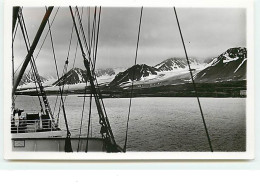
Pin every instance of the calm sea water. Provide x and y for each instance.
(160, 123)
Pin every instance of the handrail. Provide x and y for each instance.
(26, 126)
(33, 120)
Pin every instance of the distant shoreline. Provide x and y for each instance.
(221, 89)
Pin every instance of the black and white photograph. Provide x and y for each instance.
(163, 82)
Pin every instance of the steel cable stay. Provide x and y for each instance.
(193, 82)
(132, 84)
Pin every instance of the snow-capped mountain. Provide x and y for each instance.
(28, 81)
(73, 76)
(29, 78)
(171, 70)
(229, 66)
(137, 72)
(77, 76)
(178, 64)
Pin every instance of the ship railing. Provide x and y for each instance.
(28, 126)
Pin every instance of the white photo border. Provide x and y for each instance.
(250, 138)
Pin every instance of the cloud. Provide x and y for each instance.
(207, 32)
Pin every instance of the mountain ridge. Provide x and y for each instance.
(228, 66)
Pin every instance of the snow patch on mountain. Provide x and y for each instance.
(173, 64)
(240, 65)
(222, 68)
(229, 59)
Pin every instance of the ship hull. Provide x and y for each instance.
(57, 144)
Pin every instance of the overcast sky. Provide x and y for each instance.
(207, 33)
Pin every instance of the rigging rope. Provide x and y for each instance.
(62, 89)
(63, 73)
(132, 85)
(106, 131)
(193, 82)
(89, 118)
(74, 61)
(82, 31)
(82, 114)
(95, 57)
(94, 63)
(75, 56)
(67, 147)
(93, 32)
(47, 33)
(70, 42)
(88, 24)
(81, 121)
